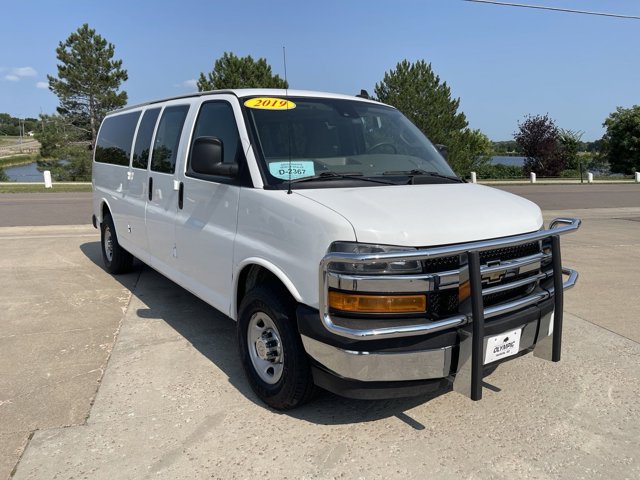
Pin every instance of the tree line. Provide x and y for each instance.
(89, 79)
(511, 147)
(15, 127)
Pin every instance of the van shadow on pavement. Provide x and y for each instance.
(213, 334)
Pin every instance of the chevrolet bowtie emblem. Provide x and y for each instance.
(494, 277)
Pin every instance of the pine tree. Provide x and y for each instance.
(88, 80)
(415, 90)
(230, 71)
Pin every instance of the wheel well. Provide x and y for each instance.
(254, 275)
(105, 211)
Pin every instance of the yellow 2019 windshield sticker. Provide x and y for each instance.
(269, 103)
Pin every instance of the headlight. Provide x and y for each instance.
(399, 267)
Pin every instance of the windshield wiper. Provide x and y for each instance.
(418, 172)
(329, 175)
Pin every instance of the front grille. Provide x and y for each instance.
(502, 297)
(510, 253)
(445, 302)
(441, 264)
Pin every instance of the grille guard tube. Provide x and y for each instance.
(559, 226)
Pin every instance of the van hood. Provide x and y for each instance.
(429, 215)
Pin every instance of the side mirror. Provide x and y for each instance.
(443, 150)
(206, 158)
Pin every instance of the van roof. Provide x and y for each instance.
(251, 92)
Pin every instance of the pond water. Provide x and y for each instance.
(508, 160)
(24, 173)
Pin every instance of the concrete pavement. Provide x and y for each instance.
(606, 252)
(59, 314)
(173, 401)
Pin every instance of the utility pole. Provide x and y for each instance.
(580, 166)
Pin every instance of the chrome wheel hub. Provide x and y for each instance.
(265, 347)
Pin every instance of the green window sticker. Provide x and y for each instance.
(292, 170)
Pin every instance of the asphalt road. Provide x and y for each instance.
(562, 197)
(41, 209)
(31, 209)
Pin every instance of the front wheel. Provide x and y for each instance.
(271, 351)
(116, 259)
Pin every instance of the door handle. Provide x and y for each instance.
(150, 188)
(181, 195)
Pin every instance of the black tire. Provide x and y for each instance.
(294, 385)
(116, 259)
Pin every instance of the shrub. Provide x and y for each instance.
(499, 171)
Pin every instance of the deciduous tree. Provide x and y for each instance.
(16, 126)
(622, 140)
(539, 138)
(63, 149)
(230, 71)
(469, 150)
(570, 140)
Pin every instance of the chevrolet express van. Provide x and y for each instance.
(336, 235)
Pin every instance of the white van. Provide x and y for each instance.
(336, 235)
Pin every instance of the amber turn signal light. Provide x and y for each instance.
(358, 303)
(464, 291)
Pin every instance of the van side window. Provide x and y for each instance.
(165, 148)
(116, 138)
(143, 139)
(216, 119)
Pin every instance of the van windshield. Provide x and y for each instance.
(307, 139)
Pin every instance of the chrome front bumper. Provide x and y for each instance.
(367, 366)
(380, 367)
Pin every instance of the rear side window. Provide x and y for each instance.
(143, 139)
(165, 148)
(116, 138)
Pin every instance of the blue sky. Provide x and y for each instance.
(502, 62)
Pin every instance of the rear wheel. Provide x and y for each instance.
(116, 259)
(272, 354)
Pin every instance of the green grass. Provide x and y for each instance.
(8, 187)
(6, 140)
(16, 160)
